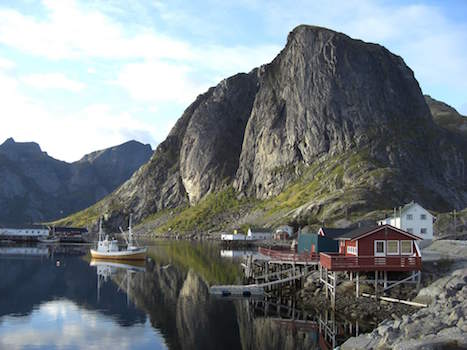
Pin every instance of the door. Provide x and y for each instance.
(380, 248)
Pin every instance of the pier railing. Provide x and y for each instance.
(287, 255)
(338, 262)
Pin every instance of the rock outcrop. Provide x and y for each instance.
(341, 114)
(36, 187)
(442, 325)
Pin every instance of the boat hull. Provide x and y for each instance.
(139, 254)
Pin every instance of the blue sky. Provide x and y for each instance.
(77, 76)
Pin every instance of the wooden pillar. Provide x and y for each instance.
(351, 275)
(357, 285)
(419, 279)
(326, 282)
(333, 295)
(385, 279)
(376, 284)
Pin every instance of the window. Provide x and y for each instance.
(379, 248)
(423, 217)
(406, 247)
(423, 230)
(352, 250)
(409, 230)
(409, 217)
(393, 247)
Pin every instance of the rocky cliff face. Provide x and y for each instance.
(36, 187)
(342, 120)
(446, 116)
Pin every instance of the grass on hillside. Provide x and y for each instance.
(200, 217)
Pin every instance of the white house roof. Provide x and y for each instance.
(412, 204)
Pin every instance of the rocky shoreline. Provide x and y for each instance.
(441, 325)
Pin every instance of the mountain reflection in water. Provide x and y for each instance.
(164, 303)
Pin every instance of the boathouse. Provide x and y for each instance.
(315, 243)
(255, 233)
(376, 248)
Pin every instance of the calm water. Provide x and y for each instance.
(59, 299)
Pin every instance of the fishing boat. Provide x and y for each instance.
(48, 239)
(107, 248)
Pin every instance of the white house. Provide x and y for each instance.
(259, 233)
(24, 231)
(412, 218)
(285, 229)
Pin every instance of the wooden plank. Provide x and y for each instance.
(394, 300)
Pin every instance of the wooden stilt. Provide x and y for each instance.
(419, 279)
(385, 280)
(376, 284)
(357, 285)
(333, 295)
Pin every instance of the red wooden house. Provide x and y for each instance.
(377, 248)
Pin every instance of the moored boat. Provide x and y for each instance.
(107, 248)
(48, 239)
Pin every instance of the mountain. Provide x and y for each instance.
(332, 129)
(446, 116)
(36, 187)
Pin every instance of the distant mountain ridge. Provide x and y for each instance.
(330, 130)
(36, 187)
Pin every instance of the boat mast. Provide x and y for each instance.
(130, 233)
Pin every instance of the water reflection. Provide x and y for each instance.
(163, 303)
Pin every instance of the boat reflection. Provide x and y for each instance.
(105, 269)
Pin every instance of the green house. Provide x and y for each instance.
(314, 243)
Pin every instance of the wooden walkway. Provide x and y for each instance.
(270, 279)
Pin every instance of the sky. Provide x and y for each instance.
(78, 76)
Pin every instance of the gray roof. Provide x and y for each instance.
(260, 229)
(365, 229)
(333, 233)
(356, 232)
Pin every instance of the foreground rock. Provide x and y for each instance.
(442, 324)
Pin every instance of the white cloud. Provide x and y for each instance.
(52, 81)
(6, 64)
(67, 136)
(72, 32)
(159, 81)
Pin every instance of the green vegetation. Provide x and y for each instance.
(82, 218)
(201, 216)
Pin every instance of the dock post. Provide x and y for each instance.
(376, 284)
(357, 286)
(351, 275)
(333, 295)
(385, 280)
(326, 282)
(419, 278)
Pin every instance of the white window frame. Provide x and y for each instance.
(422, 216)
(409, 216)
(352, 250)
(387, 250)
(384, 248)
(421, 230)
(411, 247)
